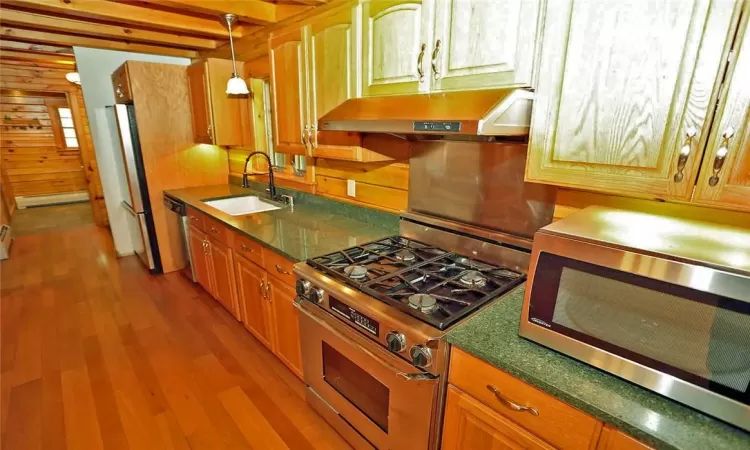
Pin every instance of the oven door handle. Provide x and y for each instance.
(300, 304)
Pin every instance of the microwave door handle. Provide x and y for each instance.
(300, 304)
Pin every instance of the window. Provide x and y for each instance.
(68, 129)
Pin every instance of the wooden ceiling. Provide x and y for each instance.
(43, 32)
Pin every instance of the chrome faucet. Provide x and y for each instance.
(271, 185)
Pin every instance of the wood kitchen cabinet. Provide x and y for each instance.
(254, 299)
(613, 115)
(214, 268)
(217, 116)
(487, 408)
(480, 44)
(121, 83)
(725, 180)
(289, 86)
(285, 324)
(395, 39)
(471, 425)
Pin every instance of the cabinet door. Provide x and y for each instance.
(611, 439)
(289, 88)
(199, 102)
(199, 252)
(396, 35)
(285, 325)
(227, 110)
(484, 43)
(611, 113)
(731, 185)
(223, 276)
(469, 424)
(255, 309)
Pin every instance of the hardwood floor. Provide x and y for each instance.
(44, 219)
(96, 353)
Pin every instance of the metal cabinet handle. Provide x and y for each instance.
(310, 132)
(193, 218)
(210, 131)
(684, 154)
(510, 404)
(119, 91)
(205, 250)
(721, 156)
(263, 289)
(420, 69)
(268, 292)
(245, 248)
(435, 55)
(305, 133)
(281, 270)
(214, 230)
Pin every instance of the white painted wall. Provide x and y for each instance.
(95, 67)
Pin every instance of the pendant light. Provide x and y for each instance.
(236, 84)
(73, 77)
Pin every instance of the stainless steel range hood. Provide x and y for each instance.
(497, 112)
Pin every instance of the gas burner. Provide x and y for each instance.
(423, 302)
(405, 255)
(355, 272)
(473, 278)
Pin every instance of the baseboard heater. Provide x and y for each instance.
(51, 199)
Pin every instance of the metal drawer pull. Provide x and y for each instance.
(268, 292)
(310, 132)
(245, 248)
(684, 154)
(305, 132)
(281, 270)
(119, 91)
(510, 404)
(214, 230)
(420, 69)
(721, 156)
(263, 292)
(435, 54)
(193, 218)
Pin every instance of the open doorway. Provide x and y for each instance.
(47, 153)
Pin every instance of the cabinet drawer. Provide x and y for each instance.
(196, 218)
(557, 422)
(218, 231)
(248, 248)
(278, 267)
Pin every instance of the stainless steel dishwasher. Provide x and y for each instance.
(180, 215)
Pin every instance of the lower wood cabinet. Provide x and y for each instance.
(285, 325)
(214, 269)
(255, 304)
(471, 425)
(487, 408)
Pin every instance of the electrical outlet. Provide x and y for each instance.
(351, 188)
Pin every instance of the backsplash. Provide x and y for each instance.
(359, 213)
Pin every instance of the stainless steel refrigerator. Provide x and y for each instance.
(137, 203)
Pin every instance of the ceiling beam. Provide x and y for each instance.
(82, 41)
(253, 11)
(60, 24)
(37, 64)
(37, 48)
(129, 14)
(67, 60)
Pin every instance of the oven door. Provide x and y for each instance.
(386, 400)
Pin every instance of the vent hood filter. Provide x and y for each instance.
(497, 112)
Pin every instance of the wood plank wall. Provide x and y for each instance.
(33, 161)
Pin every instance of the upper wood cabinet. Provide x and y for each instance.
(484, 43)
(121, 84)
(396, 35)
(217, 116)
(289, 85)
(725, 174)
(624, 102)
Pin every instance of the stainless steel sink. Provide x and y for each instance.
(240, 206)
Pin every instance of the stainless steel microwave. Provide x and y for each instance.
(659, 301)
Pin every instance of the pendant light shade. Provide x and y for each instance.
(235, 85)
(73, 77)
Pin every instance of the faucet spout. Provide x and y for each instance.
(271, 184)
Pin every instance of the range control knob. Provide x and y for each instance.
(420, 356)
(396, 341)
(316, 295)
(303, 287)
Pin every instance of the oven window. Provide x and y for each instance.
(357, 386)
(700, 338)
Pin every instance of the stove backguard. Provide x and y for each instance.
(480, 184)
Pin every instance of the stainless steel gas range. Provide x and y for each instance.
(373, 317)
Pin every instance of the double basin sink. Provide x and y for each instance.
(242, 205)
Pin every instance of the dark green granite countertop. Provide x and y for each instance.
(314, 227)
(492, 335)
